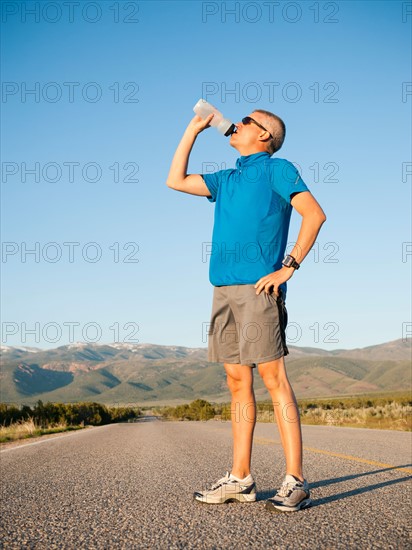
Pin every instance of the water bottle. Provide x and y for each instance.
(223, 125)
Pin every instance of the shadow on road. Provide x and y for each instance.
(339, 496)
(265, 494)
(325, 482)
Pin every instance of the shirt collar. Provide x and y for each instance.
(246, 160)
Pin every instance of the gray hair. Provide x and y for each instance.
(276, 127)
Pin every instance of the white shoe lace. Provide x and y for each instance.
(286, 487)
(220, 482)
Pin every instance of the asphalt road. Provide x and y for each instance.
(130, 486)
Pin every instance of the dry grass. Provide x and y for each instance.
(382, 414)
(391, 416)
(27, 428)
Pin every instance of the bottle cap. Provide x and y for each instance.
(226, 127)
(232, 129)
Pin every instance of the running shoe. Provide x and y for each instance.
(291, 497)
(228, 489)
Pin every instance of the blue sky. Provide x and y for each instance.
(336, 72)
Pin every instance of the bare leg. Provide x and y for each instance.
(243, 415)
(286, 413)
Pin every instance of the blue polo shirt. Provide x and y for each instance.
(252, 217)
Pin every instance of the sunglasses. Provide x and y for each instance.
(247, 120)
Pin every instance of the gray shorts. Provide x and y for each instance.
(246, 328)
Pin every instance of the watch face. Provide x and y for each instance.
(290, 261)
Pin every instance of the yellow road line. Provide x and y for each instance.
(266, 441)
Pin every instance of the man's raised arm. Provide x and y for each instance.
(178, 178)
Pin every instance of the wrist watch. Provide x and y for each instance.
(289, 261)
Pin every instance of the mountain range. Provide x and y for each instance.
(148, 374)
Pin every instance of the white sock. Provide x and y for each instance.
(238, 478)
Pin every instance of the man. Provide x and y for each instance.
(248, 270)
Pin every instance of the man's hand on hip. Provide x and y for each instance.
(274, 279)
